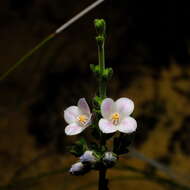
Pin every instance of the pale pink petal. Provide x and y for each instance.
(89, 122)
(107, 126)
(71, 114)
(107, 107)
(124, 106)
(73, 129)
(128, 125)
(83, 106)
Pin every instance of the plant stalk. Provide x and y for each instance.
(102, 83)
(103, 182)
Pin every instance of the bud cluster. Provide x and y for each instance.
(90, 160)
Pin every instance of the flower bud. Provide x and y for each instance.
(78, 169)
(100, 26)
(88, 157)
(109, 159)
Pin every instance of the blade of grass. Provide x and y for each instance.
(155, 178)
(78, 16)
(26, 56)
(173, 174)
(154, 163)
(47, 39)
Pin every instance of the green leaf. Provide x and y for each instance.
(159, 166)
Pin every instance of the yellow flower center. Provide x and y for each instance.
(82, 119)
(115, 118)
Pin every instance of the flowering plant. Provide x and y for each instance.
(106, 120)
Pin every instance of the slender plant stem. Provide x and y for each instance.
(78, 16)
(102, 83)
(26, 56)
(103, 182)
(42, 43)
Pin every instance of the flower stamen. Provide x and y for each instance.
(82, 119)
(115, 117)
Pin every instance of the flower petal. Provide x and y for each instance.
(107, 107)
(106, 126)
(71, 113)
(73, 129)
(128, 125)
(124, 106)
(89, 122)
(83, 106)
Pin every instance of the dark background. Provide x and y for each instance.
(148, 47)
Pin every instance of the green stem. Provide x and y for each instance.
(103, 182)
(26, 56)
(101, 59)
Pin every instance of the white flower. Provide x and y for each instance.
(88, 157)
(77, 168)
(116, 116)
(78, 117)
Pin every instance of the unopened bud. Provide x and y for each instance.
(88, 157)
(78, 169)
(109, 159)
(100, 26)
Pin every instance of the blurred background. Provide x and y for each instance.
(148, 46)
